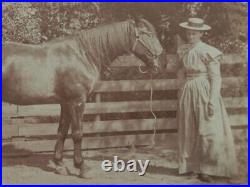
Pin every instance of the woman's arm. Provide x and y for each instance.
(215, 83)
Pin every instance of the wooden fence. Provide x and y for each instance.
(118, 112)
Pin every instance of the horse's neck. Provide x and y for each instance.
(104, 46)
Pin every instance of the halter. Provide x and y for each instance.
(139, 40)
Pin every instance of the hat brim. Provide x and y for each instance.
(203, 28)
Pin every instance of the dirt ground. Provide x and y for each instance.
(37, 169)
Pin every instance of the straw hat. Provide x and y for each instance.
(195, 24)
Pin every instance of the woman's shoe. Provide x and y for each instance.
(225, 180)
(205, 178)
(188, 174)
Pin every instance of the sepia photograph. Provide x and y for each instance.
(125, 93)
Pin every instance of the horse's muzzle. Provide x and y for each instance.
(155, 69)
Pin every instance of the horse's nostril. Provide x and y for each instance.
(156, 69)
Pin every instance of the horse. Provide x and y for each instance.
(64, 71)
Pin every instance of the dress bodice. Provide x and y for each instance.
(195, 58)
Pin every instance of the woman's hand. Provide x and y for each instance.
(210, 109)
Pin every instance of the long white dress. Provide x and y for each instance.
(205, 143)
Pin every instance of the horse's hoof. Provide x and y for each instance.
(82, 175)
(51, 164)
(59, 167)
(61, 170)
(78, 165)
(205, 178)
(82, 171)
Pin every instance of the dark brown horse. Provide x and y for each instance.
(64, 71)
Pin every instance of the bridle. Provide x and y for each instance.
(154, 53)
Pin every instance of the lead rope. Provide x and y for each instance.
(151, 106)
(152, 112)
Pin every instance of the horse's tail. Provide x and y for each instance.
(5, 50)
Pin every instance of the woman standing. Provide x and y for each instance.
(206, 144)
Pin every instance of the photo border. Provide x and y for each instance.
(136, 1)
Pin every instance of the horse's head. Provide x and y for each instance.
(146, 46)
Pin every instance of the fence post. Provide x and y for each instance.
(98, 100)
(17, 110)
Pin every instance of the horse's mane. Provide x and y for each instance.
(106, 42)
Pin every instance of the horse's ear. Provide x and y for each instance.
(141, 25)
(132, 21)
(139, 22)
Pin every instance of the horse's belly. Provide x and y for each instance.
(34, 100)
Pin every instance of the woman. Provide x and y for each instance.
(206, 144)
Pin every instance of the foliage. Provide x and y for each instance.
(230, 30)
(20, 23)
(39, 22)
(60, 19)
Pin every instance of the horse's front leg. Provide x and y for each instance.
(76, 112)
(63, 128)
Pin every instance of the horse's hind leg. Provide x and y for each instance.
(76, 111)
(63, 128)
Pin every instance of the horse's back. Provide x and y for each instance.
(15, 48)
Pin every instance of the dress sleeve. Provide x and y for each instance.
(214, 75)
(212, 53)
(208, 53)
(212, 58)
